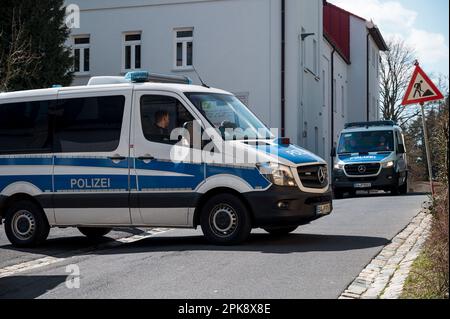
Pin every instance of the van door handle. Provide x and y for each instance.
(117, 158)
(146, 158)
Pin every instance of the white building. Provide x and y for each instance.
(269, 52)
(351, 54)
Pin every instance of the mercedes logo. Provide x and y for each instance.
(362, 169)
(321, 175)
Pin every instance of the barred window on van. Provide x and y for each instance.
(91, 124)
(24, 128)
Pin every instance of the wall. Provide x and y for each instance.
(236, 43)
(358, 71)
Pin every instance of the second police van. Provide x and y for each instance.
(105, 155)
(370, 156)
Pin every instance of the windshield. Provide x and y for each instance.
(230, 116)
(366, 142)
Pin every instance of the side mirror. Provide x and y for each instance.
(401, 149)
(333, 152)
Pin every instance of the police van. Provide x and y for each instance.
(101, 156)
(370, 155)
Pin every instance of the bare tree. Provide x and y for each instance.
(396, 68)
(16, 60)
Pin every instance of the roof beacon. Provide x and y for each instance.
(145, 76)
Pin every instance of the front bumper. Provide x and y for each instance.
(387, 179)
(299, 208)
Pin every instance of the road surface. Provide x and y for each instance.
(317, 261)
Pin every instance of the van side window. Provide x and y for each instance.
(24, 128)
(91, 124)
(160, 115)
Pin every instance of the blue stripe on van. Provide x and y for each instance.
(63, 182)
(251, 175)
(43, 182)
(90, 182)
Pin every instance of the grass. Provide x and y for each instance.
(421, 283)
(429, 275)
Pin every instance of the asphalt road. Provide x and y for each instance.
(317, 261)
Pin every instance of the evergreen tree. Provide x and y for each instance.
(34, 33)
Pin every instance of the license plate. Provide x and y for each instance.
(363, 185)
(324, 209)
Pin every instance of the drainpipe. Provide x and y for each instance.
(283, 68)
(367, 78)
(332, 97)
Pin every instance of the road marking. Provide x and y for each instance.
(46, 261)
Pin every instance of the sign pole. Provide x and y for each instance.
(427, 147)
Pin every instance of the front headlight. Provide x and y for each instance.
(278, 174)
(339, 166)
(388, 164)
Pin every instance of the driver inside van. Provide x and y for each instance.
(383, 144)
(160, 128)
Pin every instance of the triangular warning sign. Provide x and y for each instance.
(421, 89)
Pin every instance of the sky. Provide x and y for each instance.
(423, 25)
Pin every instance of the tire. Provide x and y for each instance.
(26, 225)
(94, 233)
(225, 220)
(338, 194)
(280, 231)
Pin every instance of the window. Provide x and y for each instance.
(160, 115)
(81, 54)
(343, 100)
(90, 124)
(324, 89)
(374, 106)
(132, 51)
(311, 55)
(315, 66)
(229, 116)
(316, 140)
(24, 128)
(184, 48)
(366, 142)
(374, 59)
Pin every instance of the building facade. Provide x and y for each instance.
(270, 53)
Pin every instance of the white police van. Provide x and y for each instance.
(100, 156)
(370, 155)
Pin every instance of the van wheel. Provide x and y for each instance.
(26, 224)
(225, 220)
(94, 233)
(280, 231)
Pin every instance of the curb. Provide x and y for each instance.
(385, 276)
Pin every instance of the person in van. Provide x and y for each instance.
(383, 145)
(160, 127)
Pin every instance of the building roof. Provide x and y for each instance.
(378, 38)
(337, 30)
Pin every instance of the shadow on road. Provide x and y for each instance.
(263, 243)
(294, 243)
(364, 194)
(28, 287)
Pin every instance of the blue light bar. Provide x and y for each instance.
(137, 76)
(55, 86)
(145, 76)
